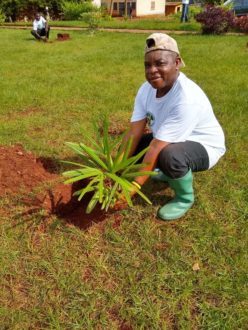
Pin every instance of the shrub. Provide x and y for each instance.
(240, 24)
(108, 169)
(105, 13)
(2, 17)
(210, 2)
(17, 9)
(93, 19)
(73, 10)
(215, 20)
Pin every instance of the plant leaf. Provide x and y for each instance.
(121, 181)
(86, 189)
(83, 192)
(100, 188)
(73, 163)
(81, 171)
(134, 174)
(143, 196)
(92, 202)
(127, 196)
(79, 178)
(75, 147)
(112, 195)
(92, 153)
(132, 160)
(106, 146)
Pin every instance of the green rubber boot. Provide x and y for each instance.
(184, 198)
(160, 176)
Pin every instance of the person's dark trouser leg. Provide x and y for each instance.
(44, 34)
(178, 161)
(178, 158)
(144, 143)
(36, 34)
(183, 13)
(47, 32)
(187, 13)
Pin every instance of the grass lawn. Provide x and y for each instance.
(171, 22)
(139, 275)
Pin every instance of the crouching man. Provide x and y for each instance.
(186, 136)
(40, 28)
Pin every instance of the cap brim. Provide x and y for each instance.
(182, 65)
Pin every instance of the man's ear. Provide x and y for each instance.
(178, 62)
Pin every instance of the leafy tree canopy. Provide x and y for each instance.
(17, 9)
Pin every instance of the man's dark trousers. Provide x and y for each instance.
(177, 159)
(41, 33)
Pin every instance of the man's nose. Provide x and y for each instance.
(153, 68)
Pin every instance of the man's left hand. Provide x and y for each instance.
(122, 203)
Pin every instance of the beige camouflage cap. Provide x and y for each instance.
(161, 41)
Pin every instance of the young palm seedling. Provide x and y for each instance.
(108, 169)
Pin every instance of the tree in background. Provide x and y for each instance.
(73, 10)
(17, 9)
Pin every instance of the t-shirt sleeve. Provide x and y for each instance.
(139, 111)
(180, 123)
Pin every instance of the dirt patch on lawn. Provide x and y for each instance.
(35, 181)
(20, 171)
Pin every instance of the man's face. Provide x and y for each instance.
(37, 17)
(161, 70)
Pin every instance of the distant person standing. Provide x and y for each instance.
(40, 28)
(185, 11)
(47, 16)
(131, 11)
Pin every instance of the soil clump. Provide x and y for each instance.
(38, 186)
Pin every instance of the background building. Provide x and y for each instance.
(139, 7)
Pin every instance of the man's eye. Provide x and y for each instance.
(160, 63)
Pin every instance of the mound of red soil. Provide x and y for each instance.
(21, 173)
(63, 36)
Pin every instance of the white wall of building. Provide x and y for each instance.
(97, 3)
(144, 7)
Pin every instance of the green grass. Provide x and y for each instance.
(139, 274)
(171, 22)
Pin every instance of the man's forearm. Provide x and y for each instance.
(135, 133)
(134, 142)
(149, 161)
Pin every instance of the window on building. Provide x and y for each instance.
(115, 6)
(152, 5)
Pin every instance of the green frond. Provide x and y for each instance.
(80, 177)
(86, 189)
(73, 163)
(111, 196)
(94, 200)
(135, 174)
(99, 163)
(91, 152)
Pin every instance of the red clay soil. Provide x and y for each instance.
(63, 36)
(20, 171)
(24, 175)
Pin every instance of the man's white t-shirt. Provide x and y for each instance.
(40, 24)
(184, 113)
